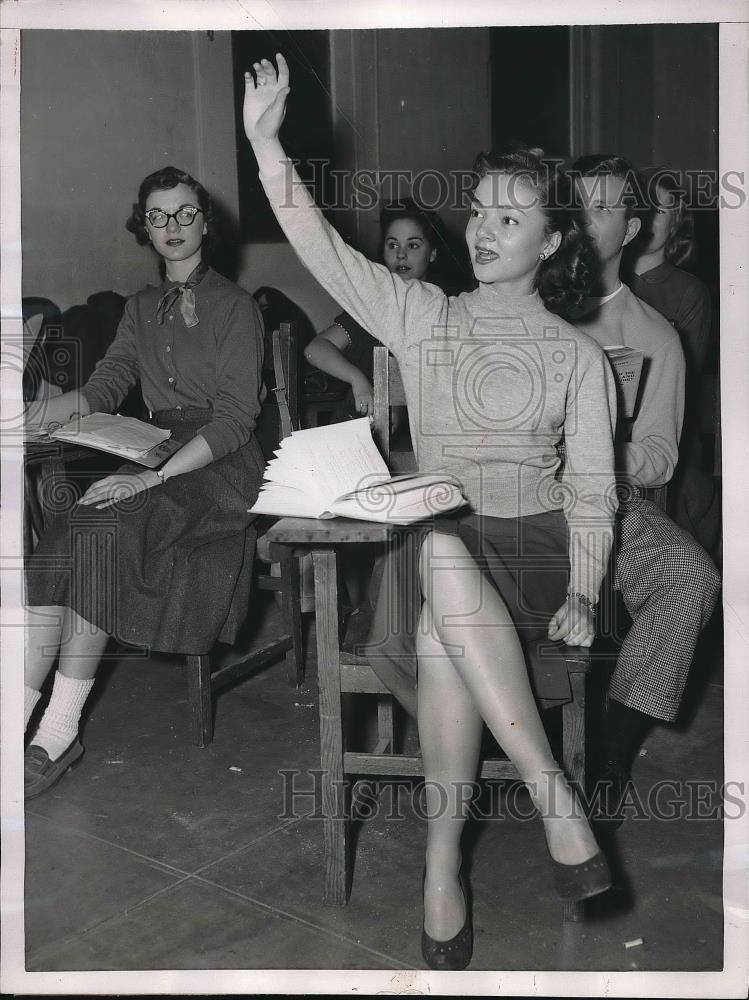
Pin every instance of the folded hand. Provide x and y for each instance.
(573, 623)
(120, 486)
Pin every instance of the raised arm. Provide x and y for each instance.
(381, 302)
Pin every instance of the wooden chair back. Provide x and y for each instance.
(286, 371)
(388, 392)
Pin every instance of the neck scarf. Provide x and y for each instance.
(183, 292)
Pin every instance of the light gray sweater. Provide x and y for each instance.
(492, 382)
(649, 457)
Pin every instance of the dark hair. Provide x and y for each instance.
(680, 244)
(407, 208)
(164, 180)
(609, 164)
(565, 278)
(450, 268)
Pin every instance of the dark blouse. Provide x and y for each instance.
(685, 302)
(217, 363)
(361, 344)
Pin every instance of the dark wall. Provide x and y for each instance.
(530, 86)
(308, 126)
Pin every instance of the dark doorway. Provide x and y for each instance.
(530, 83)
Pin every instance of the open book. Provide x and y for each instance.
(124, 436)
(337, 471)
(627, 365)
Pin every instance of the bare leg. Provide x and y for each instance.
(43, 633)
(82, 647)
(476, 630)
(450, 736)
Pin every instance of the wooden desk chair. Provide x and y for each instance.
(203, 683)
(341, 672)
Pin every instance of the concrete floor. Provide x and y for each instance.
(154, 854)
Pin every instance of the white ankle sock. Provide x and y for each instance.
(30, 698)
(59, 725)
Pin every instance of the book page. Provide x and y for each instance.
(626, 363)
(334, 460)
(408, 481)
(401, 503)
(314, 466)
(285, 501)
(122, 435)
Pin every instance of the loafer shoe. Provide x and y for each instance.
(40, 773)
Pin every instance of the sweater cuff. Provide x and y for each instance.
(96, 403)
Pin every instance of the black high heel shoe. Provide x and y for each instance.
(455, 954)
(577, 882)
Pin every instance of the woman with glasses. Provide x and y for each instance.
(176, 577)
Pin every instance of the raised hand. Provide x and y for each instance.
(265, 99)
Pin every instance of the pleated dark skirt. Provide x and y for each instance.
(525, 559)
(171, 569)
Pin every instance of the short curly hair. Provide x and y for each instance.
(566, 277)
(165, 179)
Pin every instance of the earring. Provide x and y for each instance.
(542, 256)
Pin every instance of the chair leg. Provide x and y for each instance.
(573, 758)
(201, 702)
(291, 599)
(335, 822)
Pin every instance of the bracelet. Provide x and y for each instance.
(160, 476)
(590, 605)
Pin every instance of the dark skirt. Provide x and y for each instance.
(525, 559)
(171, 569)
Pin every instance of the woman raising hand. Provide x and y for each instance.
(494, 380)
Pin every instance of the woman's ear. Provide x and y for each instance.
(552, 245)
(433, 256)
(205, 229)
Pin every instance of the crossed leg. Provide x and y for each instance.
(472, 670)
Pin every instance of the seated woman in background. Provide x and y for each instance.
(176, 576)
(495, 379)
(658, 277)
(412, 247)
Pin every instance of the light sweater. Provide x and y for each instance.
(492, 383)
(649, 457)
